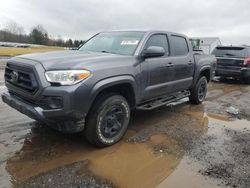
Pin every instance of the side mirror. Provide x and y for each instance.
(153, 51)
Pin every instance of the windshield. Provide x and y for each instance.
(124, 43)
(230, 51)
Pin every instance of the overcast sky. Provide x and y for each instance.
(79, 19)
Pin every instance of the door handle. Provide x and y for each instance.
(190, 63)
(170, 64)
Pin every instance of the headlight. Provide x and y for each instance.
(67, 77)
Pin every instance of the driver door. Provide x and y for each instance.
(158, 69)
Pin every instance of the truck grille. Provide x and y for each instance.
(23, 78)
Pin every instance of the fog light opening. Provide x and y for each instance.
(55, 102)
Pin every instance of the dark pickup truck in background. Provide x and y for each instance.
(233, 61)
(93, 89)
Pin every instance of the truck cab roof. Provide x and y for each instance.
(147, 31)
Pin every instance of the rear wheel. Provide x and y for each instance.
(108, 120)
(198, 93)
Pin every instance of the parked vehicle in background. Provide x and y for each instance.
(233, 61)
(93, 89)
(206, 44)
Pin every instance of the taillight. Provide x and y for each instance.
(247, 61)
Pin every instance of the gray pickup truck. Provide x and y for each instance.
(93, 89)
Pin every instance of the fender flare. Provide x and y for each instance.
(203, 68)
(112, 81)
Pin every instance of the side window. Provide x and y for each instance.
(158, 40)
(179, 45)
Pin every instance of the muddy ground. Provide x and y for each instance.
(178, 145)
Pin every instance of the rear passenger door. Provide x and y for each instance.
(183, 62)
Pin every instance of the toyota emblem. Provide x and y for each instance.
(14, 76)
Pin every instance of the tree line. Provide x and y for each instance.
(38, 35)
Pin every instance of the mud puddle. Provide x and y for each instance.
(225, 152)
(142, 159)
(226, 94)
(164, 155)
(219, 158)
(126, 164)
(187, 175)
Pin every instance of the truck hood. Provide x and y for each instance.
(70, 59)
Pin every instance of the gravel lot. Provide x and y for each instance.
(166, 147)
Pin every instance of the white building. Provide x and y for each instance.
(206, 44)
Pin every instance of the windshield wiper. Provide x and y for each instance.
(104, 51)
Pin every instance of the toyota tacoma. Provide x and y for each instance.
(93, 89)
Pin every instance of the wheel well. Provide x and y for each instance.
(206, 73)
(125, 89)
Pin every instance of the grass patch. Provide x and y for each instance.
(9, 51)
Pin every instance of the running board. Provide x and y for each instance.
(163, 100)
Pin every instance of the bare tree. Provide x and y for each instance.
(14, 28)
(12, 32)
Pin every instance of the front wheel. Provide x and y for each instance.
(198, 93)
(108, 120)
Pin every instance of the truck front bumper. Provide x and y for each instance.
(29, 110)
(69, 118)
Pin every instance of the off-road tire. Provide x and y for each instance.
(195, 97)
(97, 117)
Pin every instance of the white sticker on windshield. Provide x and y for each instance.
(129, 42)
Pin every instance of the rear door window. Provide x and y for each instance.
(230, 52)
(179, 46)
